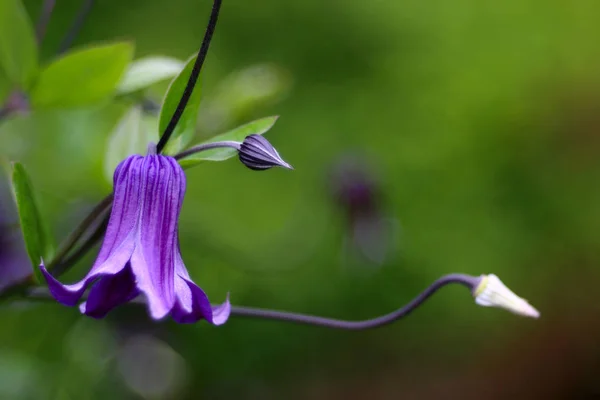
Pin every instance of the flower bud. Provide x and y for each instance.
(491, 292)
(258, 154)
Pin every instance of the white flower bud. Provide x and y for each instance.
(491, 292)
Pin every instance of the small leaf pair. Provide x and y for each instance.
(77, 78)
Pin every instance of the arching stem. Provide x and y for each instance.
(42, 24)
(189, 88)
(470, 282)
(74, 237)
(249, 312)
(207, 146)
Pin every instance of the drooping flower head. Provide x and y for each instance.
(140, 253)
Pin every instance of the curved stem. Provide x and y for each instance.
(76, 26)
(72, 239)
(207, 146)
(189, 88)
(42, 24)
(250, 312)
(83, 249)
(471, 282)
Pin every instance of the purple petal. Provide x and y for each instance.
(192, 305)
(110, 292)
(163, 187)
(221, 312)
(69, 295)
(125, 211)
(119, 241)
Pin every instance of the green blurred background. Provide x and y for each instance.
(478, 123)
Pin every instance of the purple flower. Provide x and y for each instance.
(140, 253)
(357, 190)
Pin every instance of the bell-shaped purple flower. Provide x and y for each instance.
(140, 253)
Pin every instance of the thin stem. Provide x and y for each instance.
(471, 282)
(73, 31)
(151, 149)
(189, 88)
(72, 239)
(249, 312)
(207, 146)
(42, 24)
(83, 249)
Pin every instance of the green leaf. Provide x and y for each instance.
(186, 128)
(38, 240)
(82, 77)
(147, 71)
(257, 127)
(18, 48)
(130, 136)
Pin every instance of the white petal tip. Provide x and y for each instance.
(531, 312)
(491, 292)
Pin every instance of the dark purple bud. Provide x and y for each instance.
(355, 187)
(258, 154)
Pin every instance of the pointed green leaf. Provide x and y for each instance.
(82, 77)
(130, 136)
(257, 127)
(38, 240)
(186, 128)
(18, 49)
(147, 71)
